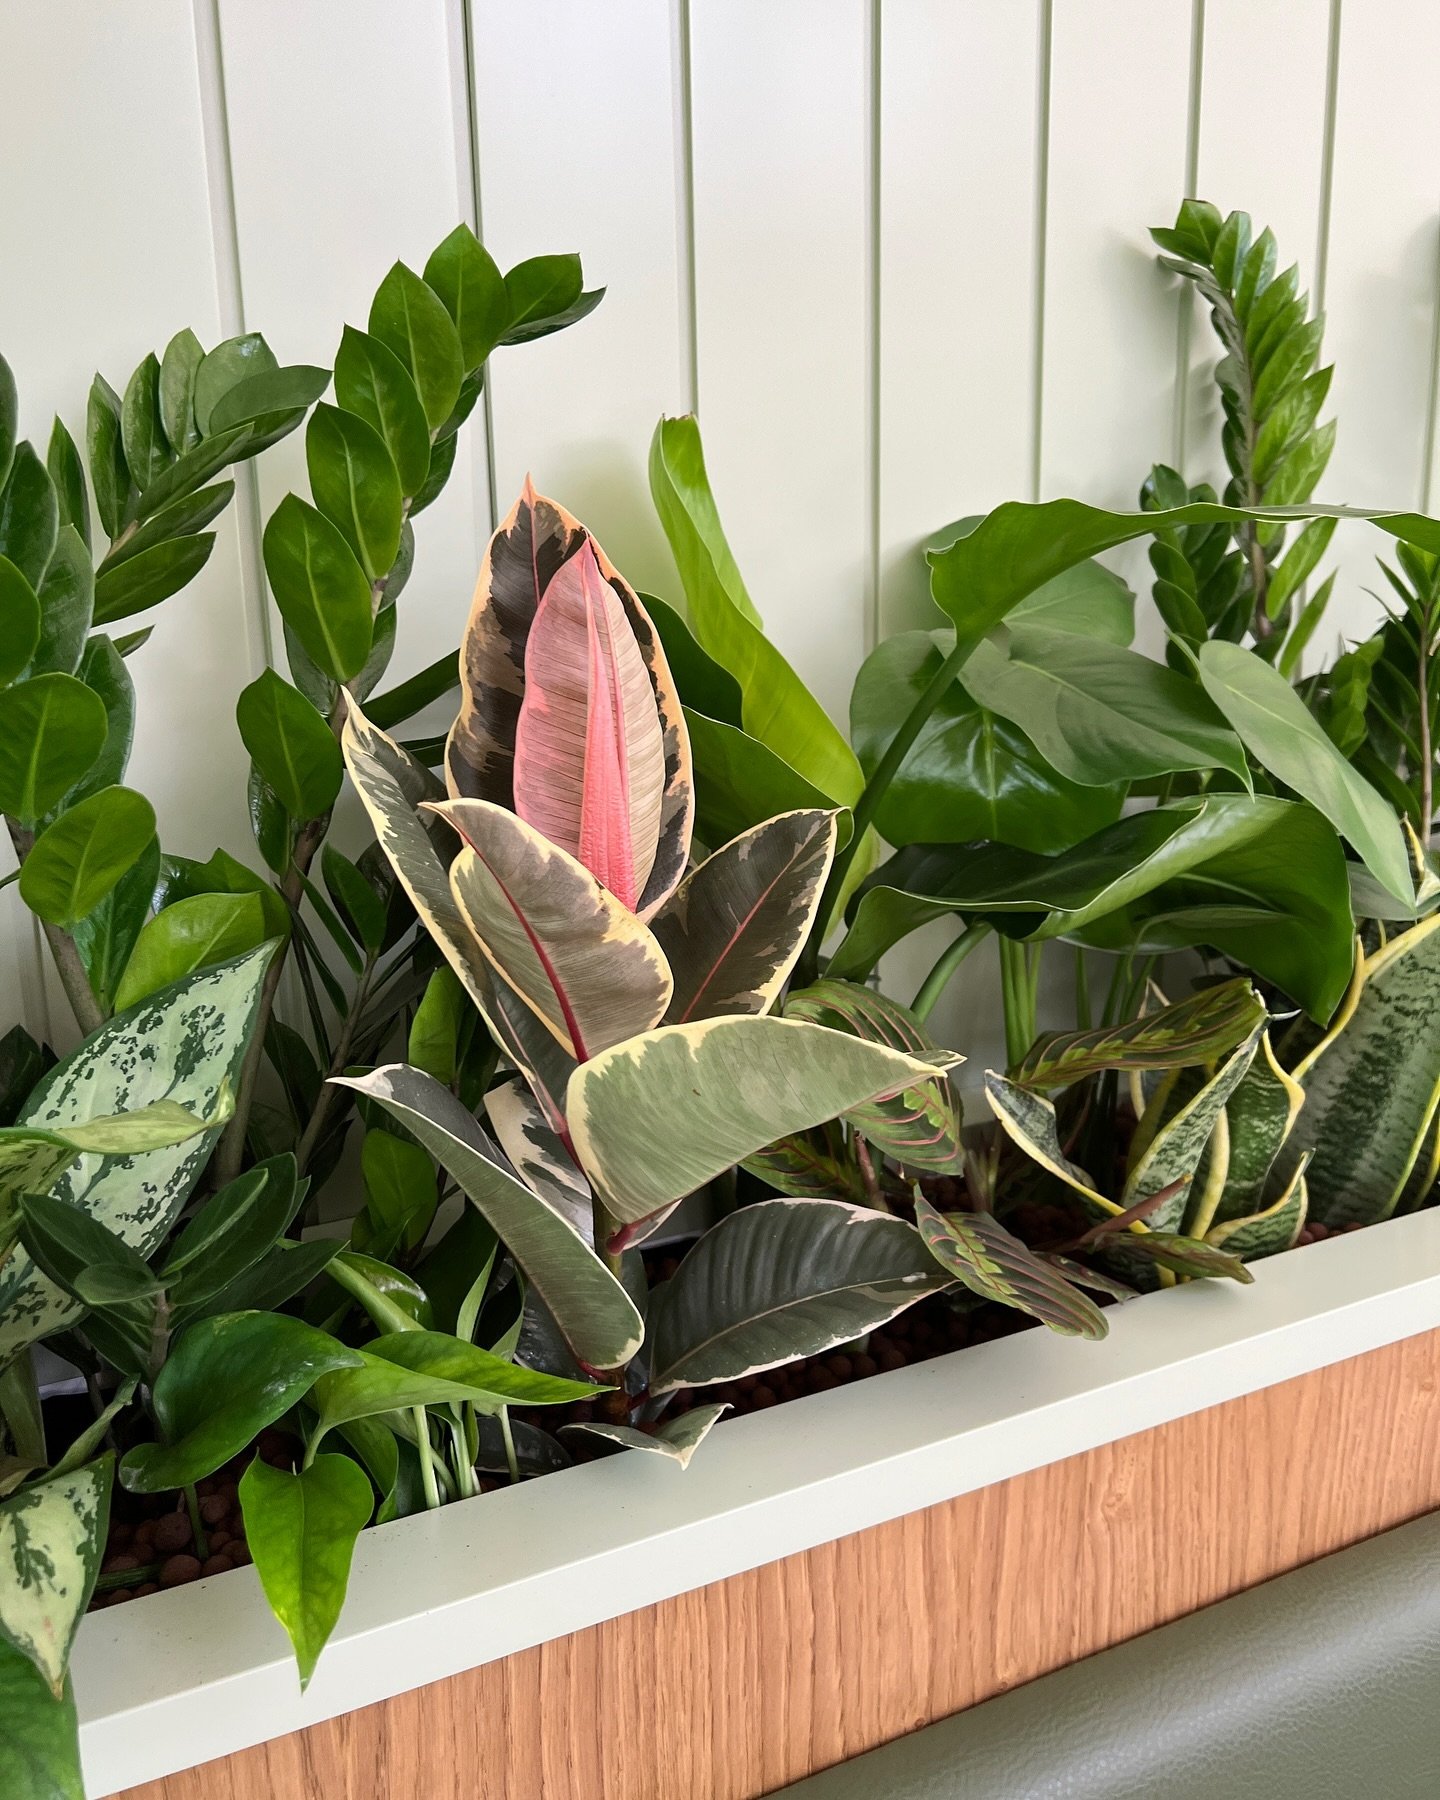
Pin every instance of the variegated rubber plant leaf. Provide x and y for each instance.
(919, 1128)
(675, 1439)
(1372, 1085)
(530, 551)
(185, 1044)
(1199, 1029)
(733, 928)
(779, 1280)
(1264, 1233)
(1173, 1155)
(52, 1536)
(977, 1250)
(657, 1117)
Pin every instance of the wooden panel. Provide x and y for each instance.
(579, 149)
(735, 1689)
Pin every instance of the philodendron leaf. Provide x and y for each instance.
(977, 1250)
(1169, 1163)
(79, 859)
(190, 935)
(301, 1529)
(1283, 735)
(39, 1737)
(52, 728)
(782, 1279)
(595, 1314)
(52, 1536)
(581, 960)
(224, 1381)
(675, 1439)
(733, 928)
(186, 1045)
(655, 1118)
(1199, 1029)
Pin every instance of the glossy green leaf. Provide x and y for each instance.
(114, 491)
(977, 1250)
(706, 686)
(52, 1537)
(411, 320)
(464, 274)
(358, 902)
(187, 514)
(400, 1192)
(39, 1736)
(183, 878)
(355, 484)
(78, 860)
(102, 669)
(267, 392)
(19, 622)
(542, 293)
(373, 383)
(1089, 600)
(52, 728)
(91, 1263)
(67, 605)
(189, 936)
(1199, 1029)
(29, 515)
(233, 1230)
(195, 468)
(291, 745)
(320, 588)
(9, 419)
(222, 368)
(139, 582)
(740, 783)
(141, 429)
(779, 1280)
(281, 1274)
(106, 936)
(178, 368)
(301, 1528)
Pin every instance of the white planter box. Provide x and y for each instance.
(182, 1677)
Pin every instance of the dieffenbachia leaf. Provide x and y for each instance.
(976, 1249)
(538, 1153)
(675, 1439)
(301, 1529)
(583, 962)
(1169, 1162)
(656, 1117)
(186, 1045)
(52, 1536)
(1269, 1231)
(782, 1279)
(919, 1128)
(1198, 1029)
(733, 928)
(597, 1317)
(532, 545)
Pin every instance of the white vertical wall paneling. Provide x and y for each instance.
(1262, 151)
(577, 150)
(106, 220)
(781, 107)
(1380, 292)
(345, 156)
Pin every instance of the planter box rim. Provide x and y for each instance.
(183, 1677)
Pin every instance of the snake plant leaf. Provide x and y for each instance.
(1260, 1116)
(52, 1536)
(733, 928)
(185, 1044)
(538, 1153)
(970, 774)
(675, 1439)
(1267, 1232)
(532, 545)
(1098, 714)
(1198, 1029)
(977, 1250)
(655, 1118)
(777, 707)
(301, 1528)
(782, 1279)
(596, 1316)
(580, 959)
(1283, 735)
(809, 1166)
(1169, 1162)
(919, 1128)
(1372, 1087)
(1028, 1120)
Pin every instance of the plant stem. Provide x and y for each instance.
(512, 1462)
(63, 951)
(948, 961)
(427, 1457)
(1427, 755)
(1018, 991)
(325, 1099)
(192, 1506)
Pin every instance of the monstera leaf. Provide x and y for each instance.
(185, 1045)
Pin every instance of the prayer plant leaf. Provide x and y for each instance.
(52, 1537)
(1199, 1029)
(675, 1439)
(976, 1249)
(809, 1166)
(657, 1117)
(1187, 1256)
(595, 1314)
(779, 1280)
(733, 928)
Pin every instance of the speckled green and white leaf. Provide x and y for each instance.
(1029, 1120)
(1261, 1113)
(1199, 1029)
(184, 1044)
(538, 1153)
(977, 1250)
(52, 1536)
(1265, 1233)
(919, 1129)
(806, 1168)
(782, 1279)
(1371, 1095)
(657, 1117)
(1175, 1152)
(599, 1320)
(677, 1439)
(733, 928)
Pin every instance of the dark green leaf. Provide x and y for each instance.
(268, 392)
(114, 490)
(178, 368)
(29, 515)
(141, 429)
(67, 605)
(400, 1189)
(67, 472)
(67, 1242)
(321, 590)
(19, 622)
(132, 586)
(372, 382)
(360, 906)
(292, 746)
(39, 1736)
(102, 669)
(222, 874)
(740, 782)
(411, 320)
(279, 1275)
(189, 513)
(227, 364)
(401, 703)
(463, 273)
(9, 419)
(705, 685)
(52, 728)
(546, 294)
(355, 484)
(78, 860)
(442, 461)
(195, 468)
(233, 1230)
(106, 937)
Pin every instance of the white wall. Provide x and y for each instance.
(894, 250)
